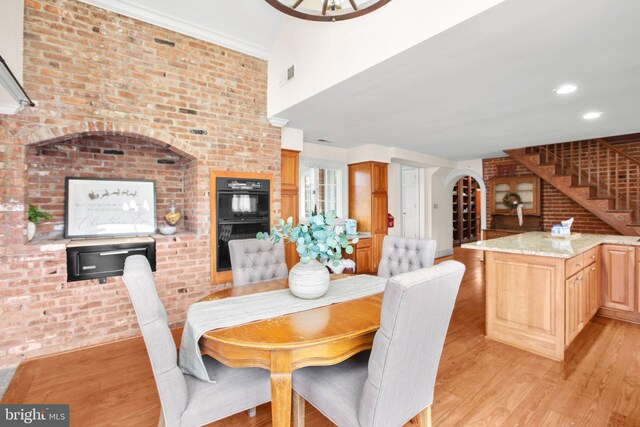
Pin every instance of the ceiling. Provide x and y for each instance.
(487, 84)
(248, 26)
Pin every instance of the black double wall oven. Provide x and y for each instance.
(243, 209)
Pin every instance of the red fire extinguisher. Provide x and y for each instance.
(390, 220)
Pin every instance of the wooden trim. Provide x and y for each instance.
(225, 276)
(368, 162)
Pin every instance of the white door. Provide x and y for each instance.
(410, 197)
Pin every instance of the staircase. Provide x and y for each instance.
(595, 174)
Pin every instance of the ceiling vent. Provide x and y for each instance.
(326, 141)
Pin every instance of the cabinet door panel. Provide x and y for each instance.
(363, 260)
(593, 277)
(289, 170)
(618, 277)
(572, 309)
(380, 179)
(376, 252)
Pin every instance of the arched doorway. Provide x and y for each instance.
(466, 211)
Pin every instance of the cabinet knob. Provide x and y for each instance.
(593, 257)
(580, 278)
(593, 269)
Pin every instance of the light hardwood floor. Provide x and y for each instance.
(480, 382)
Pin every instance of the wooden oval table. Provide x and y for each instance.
(317, 337)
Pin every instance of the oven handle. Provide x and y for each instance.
(122, 252)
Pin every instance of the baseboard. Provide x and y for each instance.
(444, 253)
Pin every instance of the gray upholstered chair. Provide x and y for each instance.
(395, 382)
(254, 261)
(186, 400)
(404, 254)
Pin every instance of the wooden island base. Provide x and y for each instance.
(541, 302)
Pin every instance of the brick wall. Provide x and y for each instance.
(555, 205)
(99, 74)
(103, 157)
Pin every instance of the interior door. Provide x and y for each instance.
(410, 197)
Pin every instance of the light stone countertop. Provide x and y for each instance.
(542, 244)
(360, 235)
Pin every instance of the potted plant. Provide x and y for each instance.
(35, 216)
(316, 243)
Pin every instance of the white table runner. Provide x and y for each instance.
(208, 315)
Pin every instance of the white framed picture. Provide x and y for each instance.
(109, 207)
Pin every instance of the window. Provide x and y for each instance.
(321, 188)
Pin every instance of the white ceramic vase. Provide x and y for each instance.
(31, 230)
(309, 281)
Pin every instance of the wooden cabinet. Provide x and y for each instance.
(362, 255)
(573, 299)
(465, 217)
(618, 278)
(593, 278)
(527, 187)
(289, 194)
(368, 204)
(581, 292)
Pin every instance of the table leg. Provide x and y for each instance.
(298, 410)
(281, 399)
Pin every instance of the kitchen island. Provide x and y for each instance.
(542, 291)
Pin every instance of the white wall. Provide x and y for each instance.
(433, 171)
(326, 53)
(395, 197)
(11, 29)
(325, 152)
(441, 211)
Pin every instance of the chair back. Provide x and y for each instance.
(154, 324)
(254, 260)
(404, 254)
(416, 309)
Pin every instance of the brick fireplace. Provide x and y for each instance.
(118, 98)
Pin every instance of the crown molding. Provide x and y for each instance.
(278, 122)
(10, 109)
(150, 16)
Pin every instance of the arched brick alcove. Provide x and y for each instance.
(110, 154)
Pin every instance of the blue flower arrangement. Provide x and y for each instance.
(317, 240)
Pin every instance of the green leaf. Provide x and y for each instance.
(349, 250)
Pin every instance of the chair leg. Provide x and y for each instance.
(252, 412)
(423, 419)
(298, 410)
(161, 420)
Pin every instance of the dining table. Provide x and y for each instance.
(317, 337)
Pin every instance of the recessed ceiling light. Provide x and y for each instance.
(592, 115)
(566, 89)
